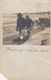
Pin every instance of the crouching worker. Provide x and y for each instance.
(21, 23)
(29, 24)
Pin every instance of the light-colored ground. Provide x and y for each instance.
(36, 39)
(37, 35)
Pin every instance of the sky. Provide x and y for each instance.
(33, 6)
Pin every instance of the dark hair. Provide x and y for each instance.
(19, 14)
(27, 16)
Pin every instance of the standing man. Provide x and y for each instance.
(21, 23)
(29, 24)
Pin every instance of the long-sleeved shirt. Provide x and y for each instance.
(29, 22)
(21, 23)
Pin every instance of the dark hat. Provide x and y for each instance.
(19, 14)
(27, 16)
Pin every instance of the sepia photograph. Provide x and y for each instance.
(26, 28)
(25, 40)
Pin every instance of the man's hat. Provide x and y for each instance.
(19, 14)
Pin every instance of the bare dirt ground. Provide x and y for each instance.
(37, 35)
(36, 39)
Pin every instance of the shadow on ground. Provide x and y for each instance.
(14, 40)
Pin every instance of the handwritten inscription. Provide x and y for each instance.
(44, 50)
(11, 49)
(32, 50)
(27, 50)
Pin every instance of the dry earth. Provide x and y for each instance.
(37, 35)
(36, 39)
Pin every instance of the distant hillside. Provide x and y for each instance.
(12, 18)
